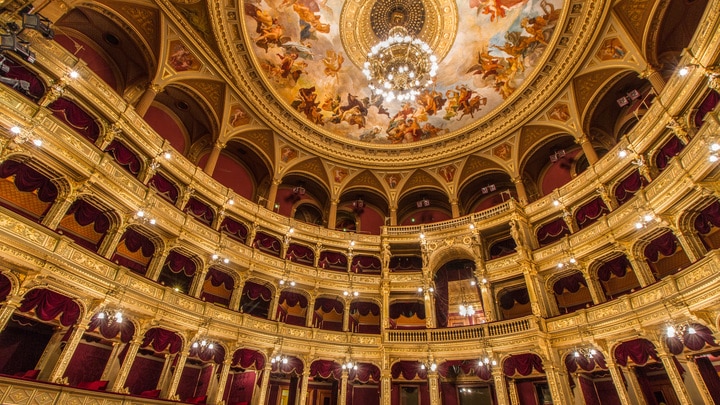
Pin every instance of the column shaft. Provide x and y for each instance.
(213, 158)
(179, 367)
(61, 365)
(146, 100)
(501, 391)
(332, 215)
(264, 383)
(342, 392)
(217, 395)
(675, 378)
(122, 375)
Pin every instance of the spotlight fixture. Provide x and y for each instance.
(38, 23)
(10, 42)
(488, 189)
(424, 202)
(555, 156)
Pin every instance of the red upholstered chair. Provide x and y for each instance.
(150, 394)
(99, 385)
(30, 374)
(197, 400)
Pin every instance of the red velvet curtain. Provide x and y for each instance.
(552, 232)
(573, 363)
(332, 260)
(665, 244)
(111, 330)
(48, 305)
(189, 382)
(161, 339)
(364, 308)
(326, 369)
(5, 287)
(587, 387)
(86, 214)
(527, 393)
(267, 243)
(201, 211)
(235, 229)
(409, 370)
(177, 263)
(328, 304)
(630, 185)
(124, 157)
(248, 358)
(144, 374)
(218, 278)
(671, 148)
(694, 341)
(708, 218)
(240, 387)
(407, 309)
(293, 299)
(87, 363)
(164, 187)
(454, 368)
(255, 299)
(638, 350)
(405, 263)
(617, 266)
(28, 179)
(293, 366)
(522, 364)
(19, 72)
(590, 212)
(365, 395)
(135, 240)
(365, 264)
(710, 377)
(366, 372)
(503, 248)
(300, 254)
(571, 283)
(509, 298)
(708, 104)
(75, 117)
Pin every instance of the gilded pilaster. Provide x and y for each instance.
(501, 388)
(304, 386)
(696, 378)
(67, 353)
(133, 346)
(112, 366)
(264, 383)
(8, 309)
(675, 378)
(177, 373)
(434, 388)
(216, 395)
(513, 392)
(385, 388)
(342, 392)
(634, 385)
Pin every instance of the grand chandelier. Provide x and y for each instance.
(401, 66)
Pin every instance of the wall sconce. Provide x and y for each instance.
(20, 136)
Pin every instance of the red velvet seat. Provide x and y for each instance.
(197, 400)
(150, 394)
(100, 385)
(30, 374)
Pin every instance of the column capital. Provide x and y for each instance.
(155, 87)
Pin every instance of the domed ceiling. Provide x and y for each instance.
(310, 54)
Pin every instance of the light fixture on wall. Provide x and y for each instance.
(216, 258)
(711, 72)
(465, 308)
(400, 66)
(110, 316)
(714, 152)
(679, 330)
(155, 162)
(143, 215)
(20, 136)
(584, 351)
(279, 359)
(631, 95)
(349, 365)
(570, 261)
(645, 218)
(203, 344)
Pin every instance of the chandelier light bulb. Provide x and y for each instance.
(15, 130)
(215, 256)
(284, 360)
(683, 71)
(74, 74)
(282, 282)
(556, 203)
(638, 225)
(433, 367)
(713, 158)
(691, 330)
(37, 142)
(101, 315)
(226, 260)
(195, 345)
(141, 213)
(670, 331)
(422, 366)
(292, 284)
(211, 346)
(715, 147)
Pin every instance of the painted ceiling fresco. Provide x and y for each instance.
(298, 46)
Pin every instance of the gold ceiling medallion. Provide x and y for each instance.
(364, 24)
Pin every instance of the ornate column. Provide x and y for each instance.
(675, 378)
(50, 355)
(213, 158)
(434, 388)
(57, 211)
(385, 308)
(145, 101)
(634, 386)
(216, 395)
(640, 267)
(385, 388)
(393, 215)
(175, 380)
(486, 294)
(236, 295)
(316, 253)
(610, 202)
(618, 382)
(429, 309)
(264, 383)
(156, 264)
(692, 246)
(587, 148)
(501, 391)
(558, 382)
(654, 77)
(8, 309)
(68, 351)
(520, 189)
(455, 208)
(332, 215)
(346, 314)
(165, 373)
(274, 305)
(272, 194)
(593, 284)
(513, 393)
(111, 240)
(342, 393)
(113, 364)
(198, 281)
(310, 314)
(304, 386)
(536, 291)
(696, 379)
(121, 377)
